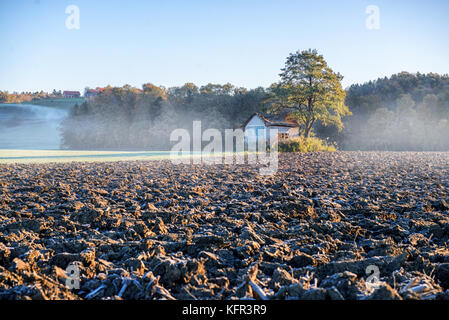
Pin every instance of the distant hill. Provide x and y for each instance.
(54, 99)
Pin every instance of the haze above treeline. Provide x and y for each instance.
(403, 112)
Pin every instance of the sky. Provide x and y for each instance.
(244, 42)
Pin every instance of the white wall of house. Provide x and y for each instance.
(281, 129)
(252, 128)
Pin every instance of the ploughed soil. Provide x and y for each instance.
(344, 225)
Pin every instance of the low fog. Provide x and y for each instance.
(25, 126)
(406, 112)
(141, 132)
(401, 126)
(126, 119)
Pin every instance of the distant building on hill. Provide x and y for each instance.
(92, 93)
(71, 94)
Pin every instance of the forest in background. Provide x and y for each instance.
(403, 112)
(128, 118)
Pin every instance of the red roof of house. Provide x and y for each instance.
(93, 91)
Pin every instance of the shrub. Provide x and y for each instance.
(302, 144)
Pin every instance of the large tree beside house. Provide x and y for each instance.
(309, 91)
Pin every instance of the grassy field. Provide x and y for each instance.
(62, 103)
(9, 156)
(46, 156)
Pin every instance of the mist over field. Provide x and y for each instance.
(130, 118)
(25, 126)
(405, 112)
(403, 128)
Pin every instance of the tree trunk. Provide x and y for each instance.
(309, 125)
(310, 118)
(307, 132)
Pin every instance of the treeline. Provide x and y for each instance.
(129, 118)
(404, 112)
(15, 97)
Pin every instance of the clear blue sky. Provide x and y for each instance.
(244, 42)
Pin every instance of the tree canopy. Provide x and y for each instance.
(403, 112)
(309, 91)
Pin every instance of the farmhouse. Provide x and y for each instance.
(71, 94)
(256, 124)
(92, 93)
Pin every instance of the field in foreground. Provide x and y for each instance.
(154, 230)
